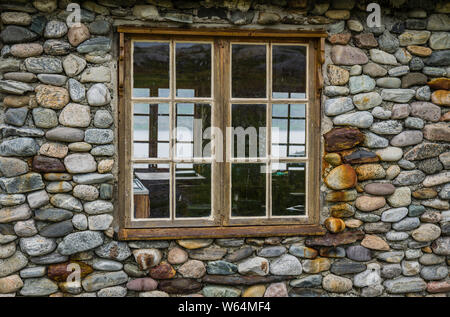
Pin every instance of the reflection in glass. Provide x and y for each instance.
(151, 130)
(248, 190)
(248, 71)
(151, 64)
(289, 71)
(193, 190)
(249, 130)
(151, 191)
(193, 70)
(191, 121)
(288, 130)
(288, 189)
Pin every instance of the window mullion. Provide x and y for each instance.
(172, 125)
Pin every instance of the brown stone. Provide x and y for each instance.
(414, 79)
(370, 203)
(439, 83)
(54, 150)
(142, 284)
(333, 159)
(78, 34)
(348, 55)
(381, 189)
(437, 132)
(353, 223)
(334, 225)
(421, 51)
(337, 75)
(340, 38)
(342, 138)
(254, 291)
(341, 177)
(177, 256)
(342, 210)
(316, 266)
(60, 272)
(374, 242)
(52, 97)
(162, 271)
(439, 287)
(192, 269)
(361, 156)
(370, 171)
(345, 195)
(16, 101)
(424, 193)
(47, 164)
(244, 280)
(445, 117)
(10, 284)
(180, 286)
(194, 243)
(335, 239)
(441, 97)
(26, 50)
(338, 14)
(365, 40)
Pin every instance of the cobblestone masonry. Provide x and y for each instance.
(386, 157)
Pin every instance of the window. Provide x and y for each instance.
(218, 134)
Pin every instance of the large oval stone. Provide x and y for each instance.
(381, 189)
(441, 97)
(348, 55)
(426, 233)
(342, 138)
(341, 177)
(369, 203)
(52, 97)
(75, 116)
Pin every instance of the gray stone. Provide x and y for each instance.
(19, 147)
(52, 214)
(98, 207)
(103, 150)
(221, 267)
(391, 257)
(407, 138)
(358, 253)
(254, 266)
(307, 282)
(434, 273)
(416, 64)
(14, 87)
(338, 106)
(10, 167)
(431, 259)
(361, 83)
(52, 79)
(286, 265)
(273, 251)
(95, 44)
(12, 264)
(430, 166)
(97, 281)
(100, 222)
(103, 119)
(92, 178)
(76, 90)
(407, 178)
(79, 242)
(38, 287)
(98, 95)
(66, 201)
(391, 271)
(16, 116)
(396, 236)
(22, 184)
(424, 151)
(51, 258)
(80, 163)
(343, 267)
(388, 42)
(434, 72)
(372, 140)
(44, 118)
(406, 224)
(31, 272)
(114, 250)
(37, 245)
(397, 95)
(107, 265)
(99, 136)
(360, 119)
(405, 285)
(387, 127)
(56, 47)
(100, 27)
(370, 277)
(380, 113)
(25, 228)
(374, 70)
(8, 131)
(80, 222)
(423, 93)
(56, 230)
(43, 65)
(73, 65)
(381, 57)
(75, 115)
(389, 82)
(438, 58)
(38, 199)
(399, 71)
(11, 200)
(55, 29)
(414, 123)
(12, 34)
(367, 101)
(65, 134)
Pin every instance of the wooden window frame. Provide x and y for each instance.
(221, 225)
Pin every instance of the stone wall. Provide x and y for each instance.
(386, 157)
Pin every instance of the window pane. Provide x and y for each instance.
(248, 71)
(288, 130)
(193, 190)
(248, 190)
(289, 71)
(151, 191)
(193, 70)
(151, 130)
(151, 64)
(288, 189)
(191, 122)
(249, 130)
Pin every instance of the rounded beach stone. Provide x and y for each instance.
(426, 233)
(381, 189)
(369, 203)
(98, 95)
(336, 284)
(341, 177)
(334, 224)
(77, 34)
(75, 115)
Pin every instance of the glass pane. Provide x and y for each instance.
(248, 190)
(151, 191)
(248, 71)
(151, 64)
(193, 190)
(193, 70)
(191, 122)
(151, 129)
(249, 130)
(288, 189)
(288, 130)
(289, 71)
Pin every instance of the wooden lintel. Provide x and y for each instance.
(220, 232)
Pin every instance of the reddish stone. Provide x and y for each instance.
(342, 138)
(142, 284)
(163, 271)
(374, 242)
(60, 272)
(334, 225)
(445, 117)
(437, 132)
(438, 287)
(335, 239)
(361, 156)
(440, 83)
(340, 38)
(78, 34)
(365, 40)
(441, 97)
(276, 290)
(47, 164)
(341, 177)
(180, 286)
(348, 55)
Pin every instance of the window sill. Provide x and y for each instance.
(220, 232)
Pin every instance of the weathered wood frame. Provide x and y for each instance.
(220, 224)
